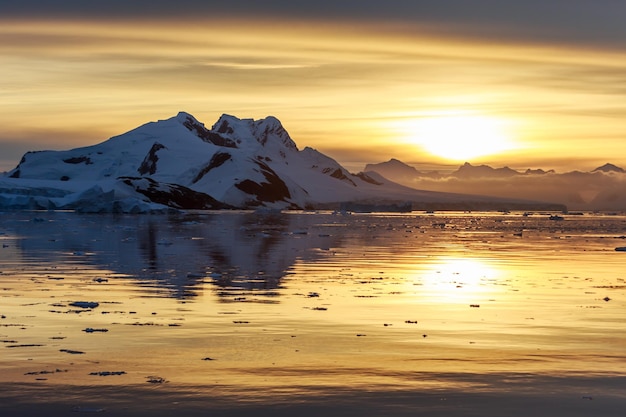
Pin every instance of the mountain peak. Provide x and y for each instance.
(185, 117)
(202, 132)
(609, 168)
(268, 131)
(225, 123)
(468, 170)
(396, 162)
(393, 167)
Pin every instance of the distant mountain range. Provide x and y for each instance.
(600, 189)
(395, 169)
(178, 163)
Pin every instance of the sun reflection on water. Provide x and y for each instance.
(457, 279)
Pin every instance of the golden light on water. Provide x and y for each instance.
(457, 279)
(466, 308)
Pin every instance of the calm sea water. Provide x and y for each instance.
(375, 314)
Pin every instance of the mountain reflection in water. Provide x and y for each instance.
(236, 251)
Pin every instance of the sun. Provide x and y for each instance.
(460, 137)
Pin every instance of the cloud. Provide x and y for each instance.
(563, 21)
(331, 83)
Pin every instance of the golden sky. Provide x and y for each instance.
(361, 92)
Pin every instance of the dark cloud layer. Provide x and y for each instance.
(577, 21)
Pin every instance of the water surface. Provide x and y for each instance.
(313, 313)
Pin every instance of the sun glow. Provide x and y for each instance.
(460, 137)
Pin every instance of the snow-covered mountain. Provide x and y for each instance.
(179, 163)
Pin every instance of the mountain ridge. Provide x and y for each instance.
(469, 169)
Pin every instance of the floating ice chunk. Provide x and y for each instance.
(85, 304)
(92, 330)
(72, 352)
(108, 373)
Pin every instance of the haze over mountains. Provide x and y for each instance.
(238, 163)
(603, 188)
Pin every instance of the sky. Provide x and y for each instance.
(530, 84)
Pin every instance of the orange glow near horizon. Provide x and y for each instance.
(356, 93)
(459, 136)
